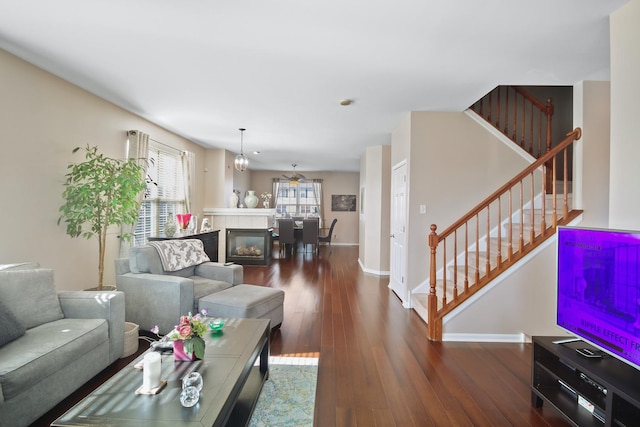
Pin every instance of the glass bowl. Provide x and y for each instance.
(216, 324)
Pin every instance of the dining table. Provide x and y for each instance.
(297, 232)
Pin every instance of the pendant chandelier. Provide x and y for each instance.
(241, 162)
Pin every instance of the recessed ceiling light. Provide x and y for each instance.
(256, 152)
(345, 102)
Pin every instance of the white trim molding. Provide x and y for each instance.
(511, 338)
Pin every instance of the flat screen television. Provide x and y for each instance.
(598, 278)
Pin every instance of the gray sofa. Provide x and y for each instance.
(51, 342)
(157, 297)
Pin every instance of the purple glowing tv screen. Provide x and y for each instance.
(599, 289)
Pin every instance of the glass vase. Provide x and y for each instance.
(179, 354)
(170, 226)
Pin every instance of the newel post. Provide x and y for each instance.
(434, 325)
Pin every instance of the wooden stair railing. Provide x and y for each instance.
(520, 207)
(519, 116)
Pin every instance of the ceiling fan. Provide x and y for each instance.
(296, 177)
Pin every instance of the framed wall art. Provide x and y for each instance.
(343, 202)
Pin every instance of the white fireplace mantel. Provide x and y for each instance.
(239, 211)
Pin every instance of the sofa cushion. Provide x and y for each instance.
(47, 348)
(10, 328)
(203, 287)
(31, 296)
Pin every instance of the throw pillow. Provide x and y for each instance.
(32, 296)
(10, 328)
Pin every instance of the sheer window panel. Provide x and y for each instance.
(299, 200)
(165, 194)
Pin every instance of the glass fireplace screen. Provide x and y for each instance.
(248, 245)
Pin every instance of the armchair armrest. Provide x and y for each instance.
(233, 274)
(108, 305)
(156, 299)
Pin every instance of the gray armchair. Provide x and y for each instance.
(154, 296)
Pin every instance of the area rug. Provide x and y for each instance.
(288, 396)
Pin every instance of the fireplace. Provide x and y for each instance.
(250, 246)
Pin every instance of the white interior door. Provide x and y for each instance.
(398, 262)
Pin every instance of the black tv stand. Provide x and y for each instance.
(586, 391)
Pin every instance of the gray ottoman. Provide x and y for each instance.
(246, 301)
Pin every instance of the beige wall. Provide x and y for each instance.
(346, 230)
(591, 155)
(375, 184)
(216, 175)
(451, 156)
(522, 303)
(624, 207)
(42, 118)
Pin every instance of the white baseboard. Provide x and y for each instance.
(370, 271)
(514, 338)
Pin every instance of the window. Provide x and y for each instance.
(300, 200)
(165, 192)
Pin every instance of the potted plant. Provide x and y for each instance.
(101, 192)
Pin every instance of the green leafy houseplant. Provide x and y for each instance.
(101, 192)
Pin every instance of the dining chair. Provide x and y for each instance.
(285, 234)
(327, 238)
(310, 236)
(275, 237)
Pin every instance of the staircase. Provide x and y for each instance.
(510, 223)
(481, 263)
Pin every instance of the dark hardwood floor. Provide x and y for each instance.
(376, 367)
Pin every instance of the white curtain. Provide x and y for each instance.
(188, 171)
(317, 195)
(137, 148)
(276, 188)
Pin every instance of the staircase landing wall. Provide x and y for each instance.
(522, 303)
(454, 164)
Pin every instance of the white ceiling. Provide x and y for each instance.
(204, 68)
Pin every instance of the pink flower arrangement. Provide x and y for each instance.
(183, 220)
(190, 330)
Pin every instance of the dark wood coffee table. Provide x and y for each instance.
(234, 368)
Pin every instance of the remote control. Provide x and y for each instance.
(587, 352)
(566, 340)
